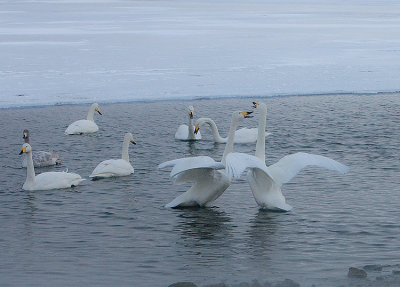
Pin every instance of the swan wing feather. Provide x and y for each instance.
(237, 163)
(112, 167)
(54, 180)
(289, 166)
(182, 165)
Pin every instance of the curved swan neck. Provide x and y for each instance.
(231, 138)
(90, 115)
(30, 170)
(262, 124)
(125, 148)
(214, 129)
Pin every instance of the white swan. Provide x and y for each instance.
(266, 182)
(85, 126)
(209, 180)
(243, 135)
(186, 132)
(40, 158)
(46, 180)
(116, 167)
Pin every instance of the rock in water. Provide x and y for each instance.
(356, 273)
(183, 284)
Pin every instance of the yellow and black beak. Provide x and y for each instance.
(25, 135)
(255, 105)
(191, 114)
(246, 114)
(132, 141)
(98, 110)
(23, 150)
(196, 130)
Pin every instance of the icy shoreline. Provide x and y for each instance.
(68, 52)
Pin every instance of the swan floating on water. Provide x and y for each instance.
(208, 176)
(40, 158)
(266, 182)
(116, 167)
(186, 132)
(46, 180)
(85, 126)
(243, 135)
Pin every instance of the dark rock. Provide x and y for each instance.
(356, 273)
(183, 284)
(373, 267)
(287, 283)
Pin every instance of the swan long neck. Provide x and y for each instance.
(191, 129)
(90, 115)
(231, 139)
(262, 124)
(125, 148)
(30, 170)
(214, 129)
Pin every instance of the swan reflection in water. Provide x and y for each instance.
(204, 227)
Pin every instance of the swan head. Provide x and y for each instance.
(97, 108)
(241, 115)
(25, 136)
(26, 148)
(259, 105)
(129, 136)
(191, 110)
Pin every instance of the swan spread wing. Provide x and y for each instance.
(289, 166)
(237, 163)
(191, 164)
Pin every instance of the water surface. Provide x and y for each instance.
(116, 231)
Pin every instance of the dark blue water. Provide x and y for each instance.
(116, 231)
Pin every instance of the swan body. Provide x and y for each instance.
(85, 126)
(208, 176)
(116, 167)
(243, 135)
(266, 182)
(40, 158)
(186, 132)
(46, 180)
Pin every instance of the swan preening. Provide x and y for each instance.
(40, 158)
(46, 180)
(266, 182)
(186, 132)
(116, 167)
(208, 176)
(85, 126)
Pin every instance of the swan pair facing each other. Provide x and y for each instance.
(85, 126)
(40, 158)
(58, 180)
(265, 182)
(190, 132)
(209, 177)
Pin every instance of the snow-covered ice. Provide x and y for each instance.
(71, 51)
